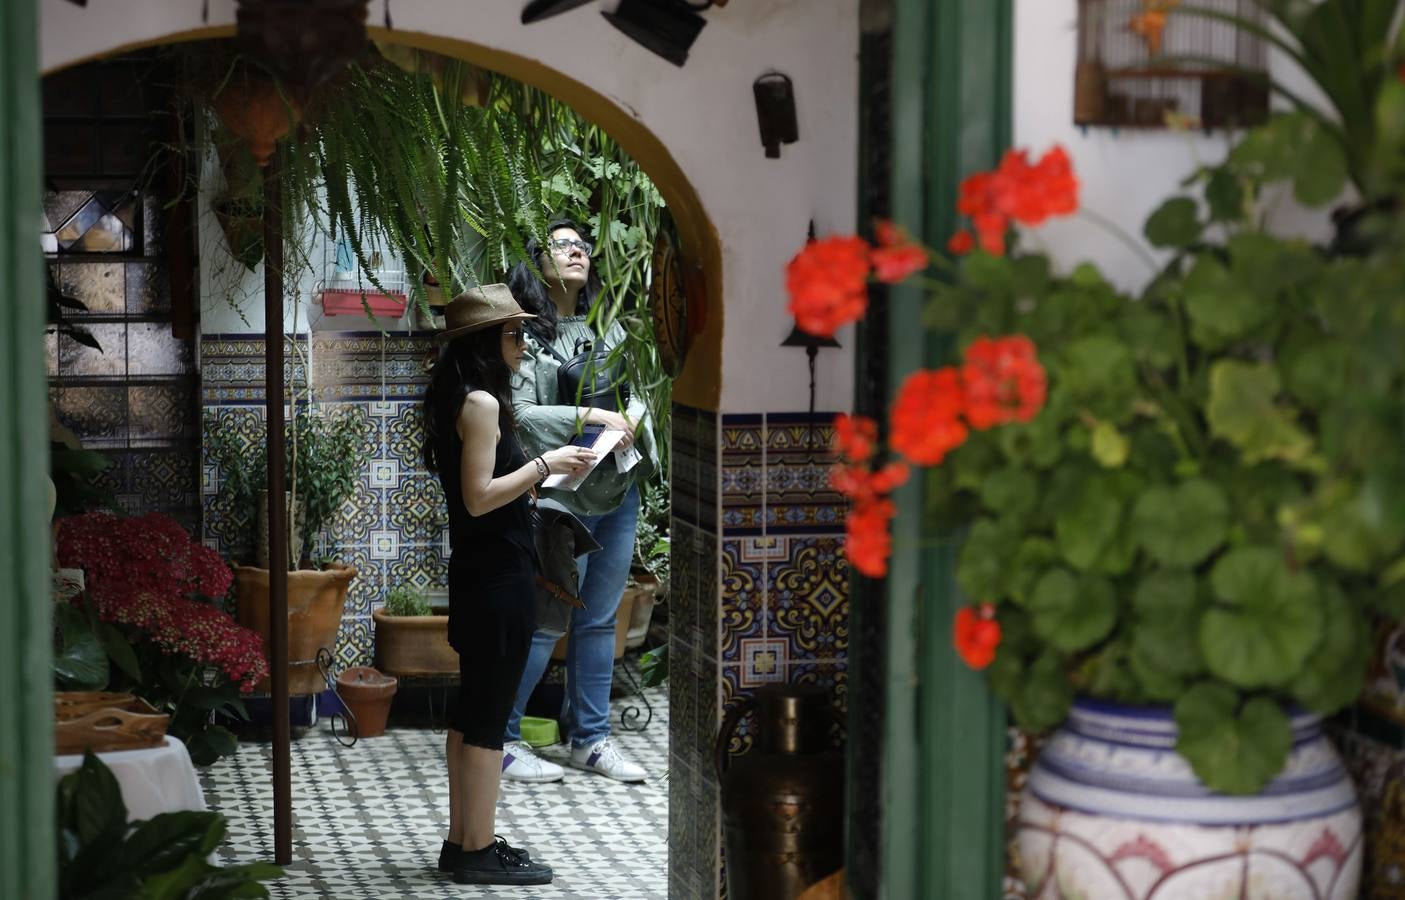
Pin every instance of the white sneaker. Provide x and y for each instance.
(603, 757)
(519, 763)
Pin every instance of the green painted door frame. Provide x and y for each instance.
(944, 774)
(26, 679)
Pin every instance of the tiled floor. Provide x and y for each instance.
(367, 820)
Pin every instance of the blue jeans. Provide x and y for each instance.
(590, 649)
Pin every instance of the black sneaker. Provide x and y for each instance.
(449, 854)
(499, 863)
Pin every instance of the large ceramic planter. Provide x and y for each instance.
(315, 603)
(1112, 812)
(414, 645)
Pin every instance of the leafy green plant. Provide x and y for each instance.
(326, 453)
(404, 600)
(653, 666)
(1349, 49)
(102, 856)
(651, 538)
(1210, 507)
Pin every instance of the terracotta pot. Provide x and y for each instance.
(367, 693)
(256, 112)
(415, 645)
(1111, 810)
(315, 603)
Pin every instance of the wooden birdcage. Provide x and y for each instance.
(1143, 63)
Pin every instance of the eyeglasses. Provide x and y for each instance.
(564, 245)
(517, 335)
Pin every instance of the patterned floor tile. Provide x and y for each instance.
(367, 820)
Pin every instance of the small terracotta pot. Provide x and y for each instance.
(256, 112)
(367, 693)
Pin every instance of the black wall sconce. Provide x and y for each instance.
(665, 27)
(775, 112)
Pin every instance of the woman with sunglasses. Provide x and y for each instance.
(470, 441)
(607, 502)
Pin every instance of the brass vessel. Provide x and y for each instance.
(782, 803)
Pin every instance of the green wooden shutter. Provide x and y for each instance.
(26, 680)
(945, 733)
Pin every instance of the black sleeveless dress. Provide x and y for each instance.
(492, 582)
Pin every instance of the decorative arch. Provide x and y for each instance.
(700, 383)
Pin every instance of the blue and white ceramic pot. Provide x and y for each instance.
(1112, 812)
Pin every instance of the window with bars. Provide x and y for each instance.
(136, 400)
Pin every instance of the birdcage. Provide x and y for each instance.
(1149, 64)
(349, 290)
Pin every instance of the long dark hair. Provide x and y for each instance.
(529, 289)
(473, 362)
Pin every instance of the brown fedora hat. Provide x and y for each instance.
(478, 308)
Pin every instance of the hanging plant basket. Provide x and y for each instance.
(241, 220)
(253, 109)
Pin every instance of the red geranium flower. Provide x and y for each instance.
(897, 256)
(856, 436)
(826, 282)
(961, 243)
(867, 543)
(926, 418)
(1019, 192)
(976, 635)
(1002, 381)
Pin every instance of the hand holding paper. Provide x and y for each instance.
(602, 445)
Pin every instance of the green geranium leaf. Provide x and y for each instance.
(1109, 446)
(1233, 751)
(1165, 649)
(1265, 264)
(1269, 622)
(1294, 146)
(1035, 556)
(1150, 334)
(1180, 526)
(1072, 613)
(1321, 170)
(1099, 371)
(1086, 525)
(1176, 223)
(1108, 674)
(1334, 675)
(1315, 372)
(1225, 196)
(1221, 308)
(1034, 443)
(1243, 410)
(1043, 697)
(1012, 493)
(982, 570)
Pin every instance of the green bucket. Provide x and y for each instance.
(540, 732)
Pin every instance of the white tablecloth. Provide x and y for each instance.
(153, 780)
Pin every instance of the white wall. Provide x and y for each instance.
(1125, 174)
(703, 113)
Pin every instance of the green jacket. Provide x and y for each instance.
(546, 421)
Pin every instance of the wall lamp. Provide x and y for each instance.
(775, 112)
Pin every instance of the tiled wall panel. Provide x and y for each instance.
(760, 596)
(394, 528)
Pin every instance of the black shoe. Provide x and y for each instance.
(498, 863)
(449, 856)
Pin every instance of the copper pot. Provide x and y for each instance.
(257, 112)
(782, 803)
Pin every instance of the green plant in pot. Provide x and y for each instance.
(412, 635)
(1180, 510)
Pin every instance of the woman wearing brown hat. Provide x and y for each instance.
(471, 443)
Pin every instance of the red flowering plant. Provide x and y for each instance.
(149, 625)
(1191, 497)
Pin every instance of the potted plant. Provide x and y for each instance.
(326, 453)
(147, 625)
(412, 638)
(1181, 510)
